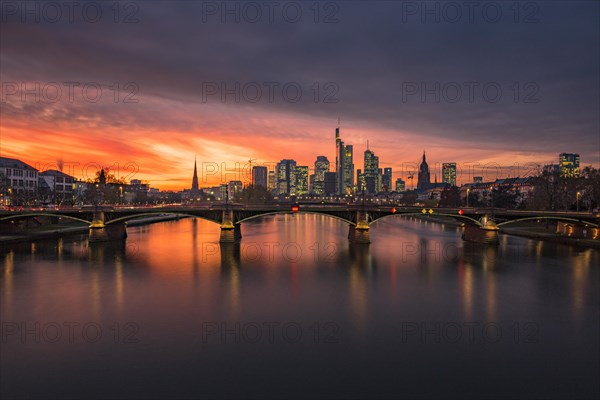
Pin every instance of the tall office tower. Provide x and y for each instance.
(272, 181)
(321, 167)
(348, 170)
(371, 171)
(311, 184)
(569, 164)
(195, 191)
(286, 178)
(259, 176)
(379, 187)
(330, 183)
(301, 180)
(386, 180)
(424, 179)
(344, 165)
(360, 181)
(338, 160)
(400, 186)
(449, 173)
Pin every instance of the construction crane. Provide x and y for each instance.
(250, 168)
(411, 175)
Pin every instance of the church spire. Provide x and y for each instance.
(195, 178)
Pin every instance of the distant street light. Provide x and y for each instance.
(577, 200)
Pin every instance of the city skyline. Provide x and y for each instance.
(464, 173)
(391, 94)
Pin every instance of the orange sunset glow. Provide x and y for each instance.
(157, 139)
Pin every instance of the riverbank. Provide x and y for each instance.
(540, 233)
(65, 229)
(530, 230)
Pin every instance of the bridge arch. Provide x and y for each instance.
(41, 214)
(153, 214)
(299, 212)
(461, 217)
(548, 217)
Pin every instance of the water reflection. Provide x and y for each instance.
(7, 287)
(361, 272)
(171, 277)
(230, 272)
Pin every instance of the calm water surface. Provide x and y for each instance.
(294, 311)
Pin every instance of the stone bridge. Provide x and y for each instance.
(107, 222)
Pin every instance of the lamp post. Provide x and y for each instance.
(577, 200)
(468, 197)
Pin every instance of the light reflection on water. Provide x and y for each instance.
(172, 279)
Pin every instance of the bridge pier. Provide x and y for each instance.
(98, 232)
(487, 233)
(230, 233)
(101, 232)
(359, 233)
(117, 231)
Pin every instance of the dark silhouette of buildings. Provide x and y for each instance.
(259, 176)
(195, 190)
(424, 178)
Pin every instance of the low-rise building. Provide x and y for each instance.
(55, 186)
(18, 181)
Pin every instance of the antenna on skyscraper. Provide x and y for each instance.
(367, 144)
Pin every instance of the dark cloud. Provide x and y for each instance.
(370, 54)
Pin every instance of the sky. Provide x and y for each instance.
(144, 87)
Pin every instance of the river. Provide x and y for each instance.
(295, 311)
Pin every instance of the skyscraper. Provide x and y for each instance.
(344, 165)
(286, 177)
(348, 169)
(400, 186)
(360, 181)
(386, 180)
(449, 173)
(424, 179)
(330, 183)
(272, 181)
(569, 164)
(259, 176)
(371, 173)
(338, 159)
(301, 172)
(321, 167)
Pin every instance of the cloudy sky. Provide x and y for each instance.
(144, 87)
